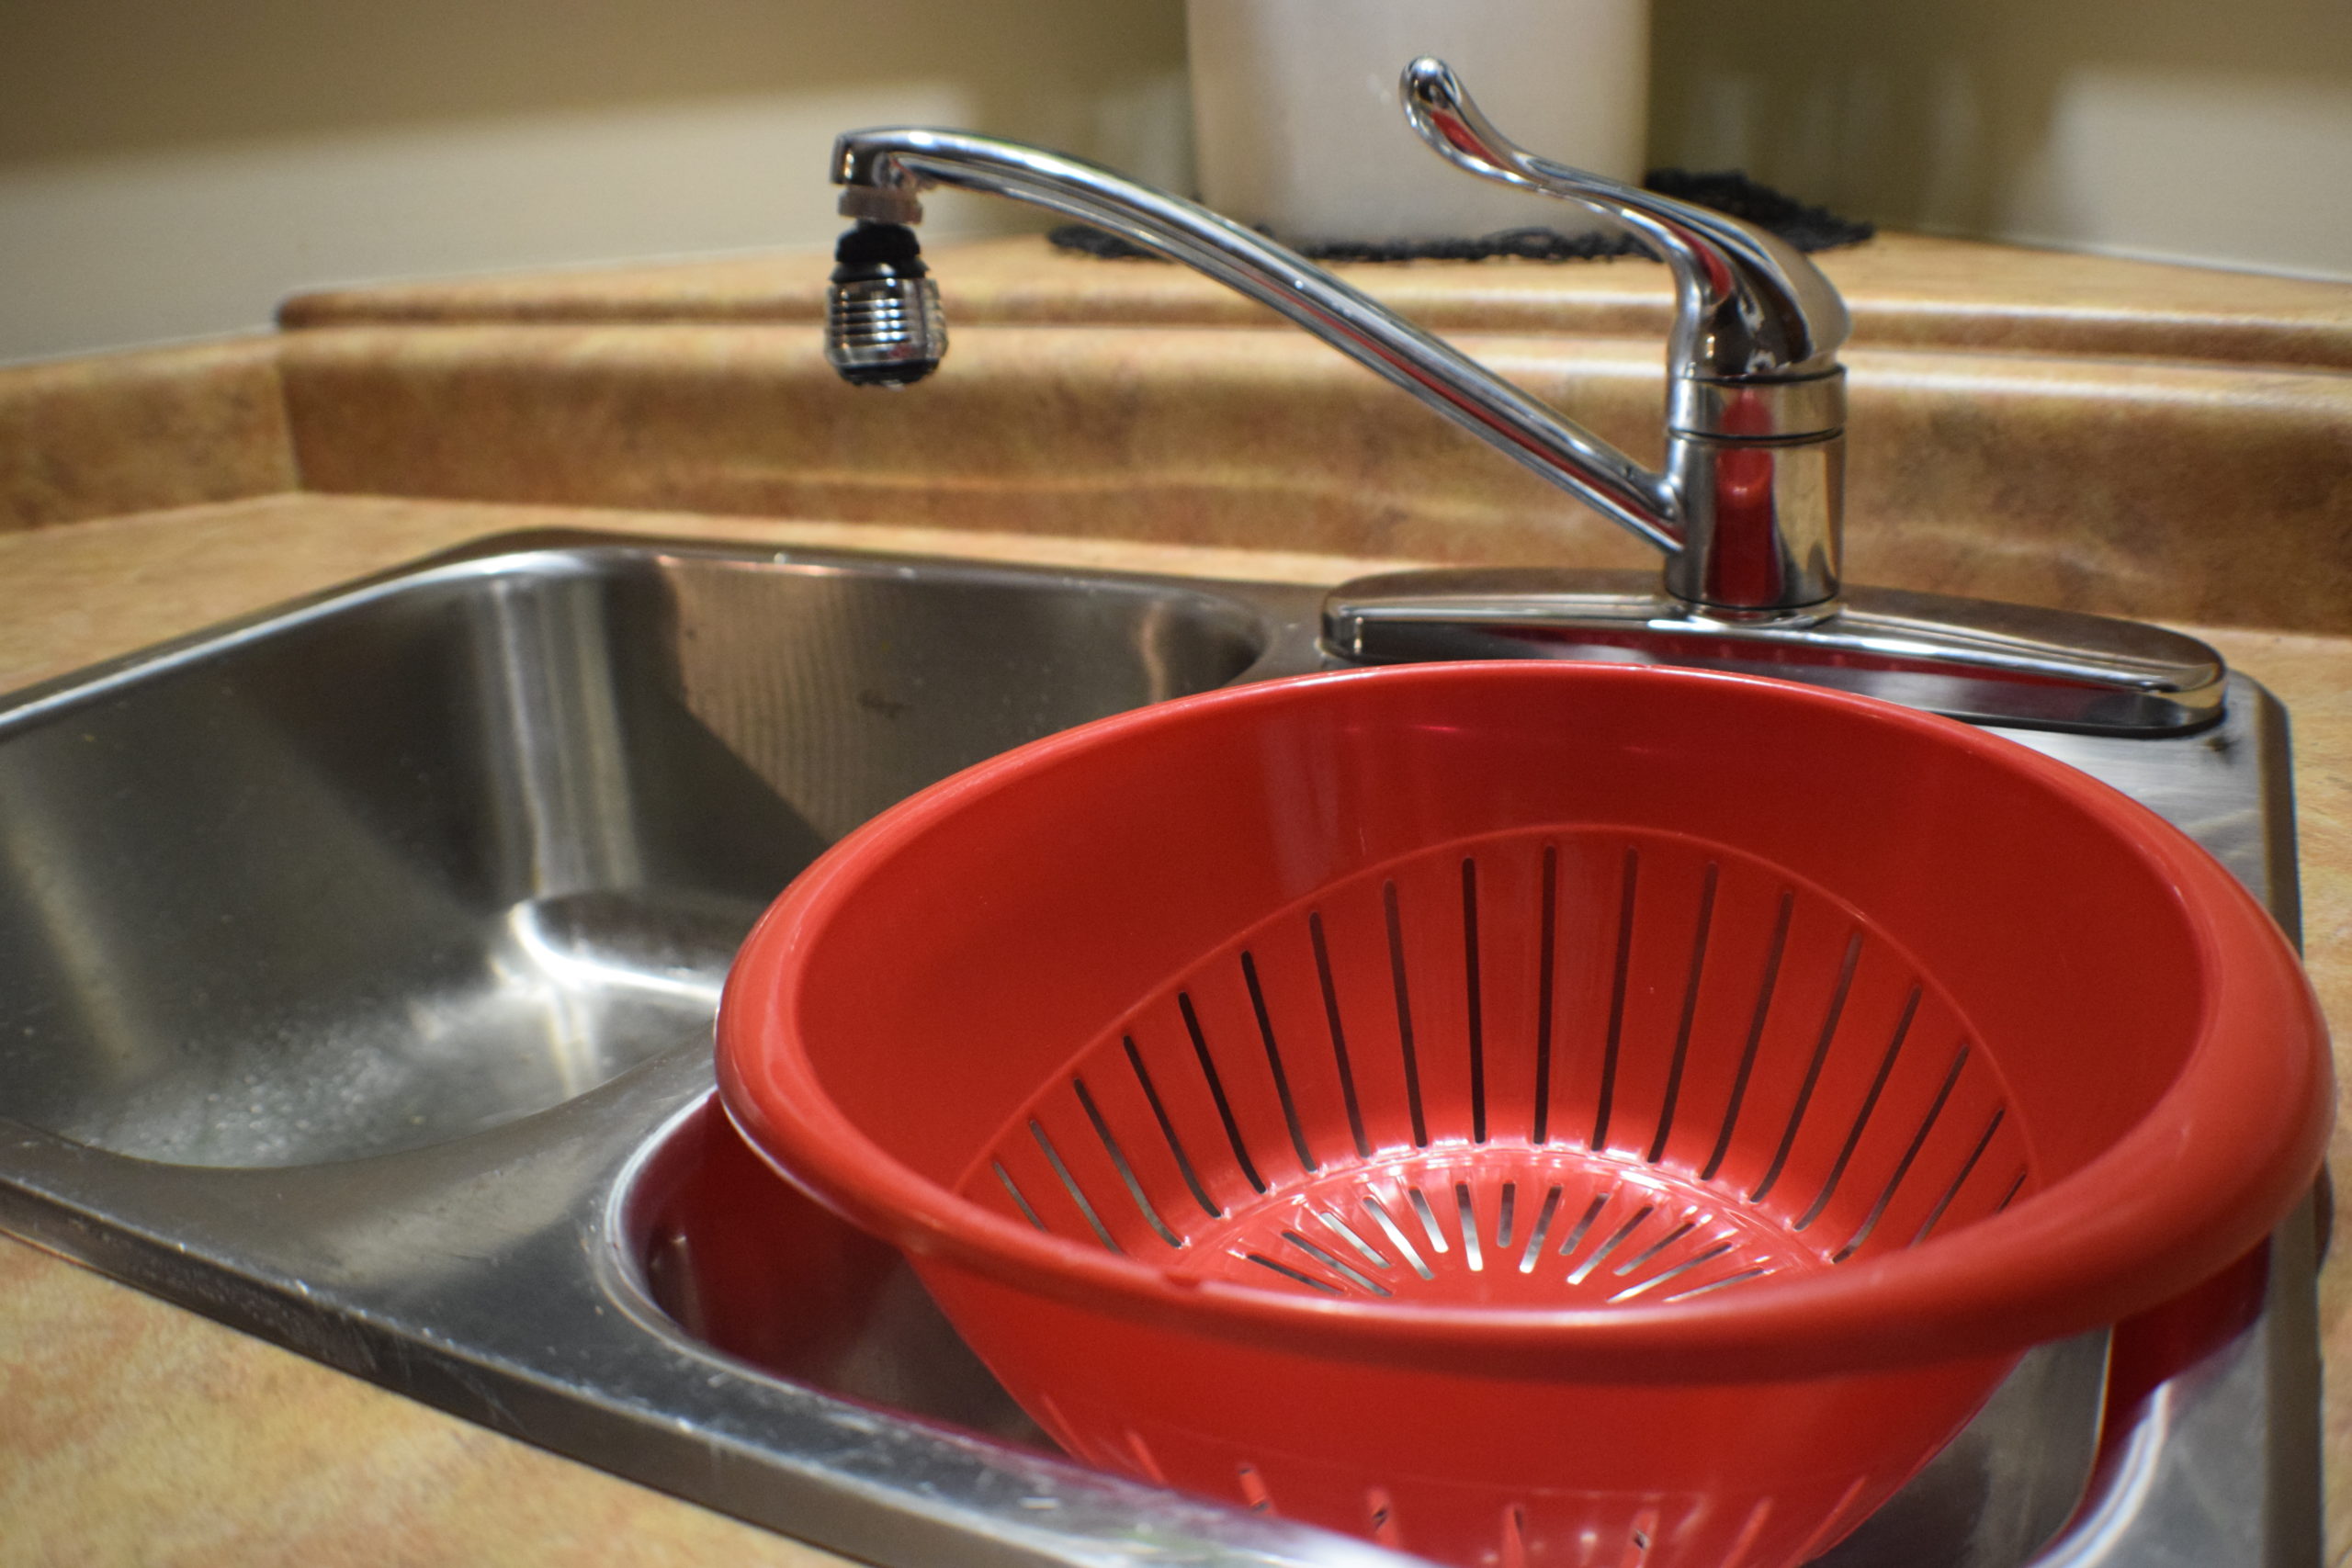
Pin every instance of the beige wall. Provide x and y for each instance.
(171, 169)
(2214, 130)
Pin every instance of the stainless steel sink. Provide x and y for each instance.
(436, 854)
(356, 969)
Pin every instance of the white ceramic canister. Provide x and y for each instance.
(1297, 130)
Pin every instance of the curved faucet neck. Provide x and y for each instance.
(1747, 506)
(903, 161)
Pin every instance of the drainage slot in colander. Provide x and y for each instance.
(1752, 1080)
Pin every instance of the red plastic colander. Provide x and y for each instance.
(1529, 1113)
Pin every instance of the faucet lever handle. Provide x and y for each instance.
(1750, 306)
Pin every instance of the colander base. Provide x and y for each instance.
(1502, 1223)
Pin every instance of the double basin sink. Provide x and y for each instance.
(356, 970)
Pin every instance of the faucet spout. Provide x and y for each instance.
(883, 171)
(1748, 508)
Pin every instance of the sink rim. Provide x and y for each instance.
(495, 554)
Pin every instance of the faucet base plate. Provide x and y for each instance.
(1989, 663)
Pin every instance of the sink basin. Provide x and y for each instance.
(436, 854)
(356, 972)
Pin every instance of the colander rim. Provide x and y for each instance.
(2171, 1202)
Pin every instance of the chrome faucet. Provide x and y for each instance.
(1748, 509)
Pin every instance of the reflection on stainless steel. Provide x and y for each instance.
(2184, 1485)
(747, 1266)
(2005, 1484)
(448, 867)
(1749, 509)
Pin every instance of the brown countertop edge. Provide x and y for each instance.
(1909, 290)
(138, 1432)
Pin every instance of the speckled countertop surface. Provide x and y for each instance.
(131, 1431)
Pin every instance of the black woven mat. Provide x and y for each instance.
(1806, 228)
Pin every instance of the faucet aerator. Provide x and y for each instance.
(883, 323)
